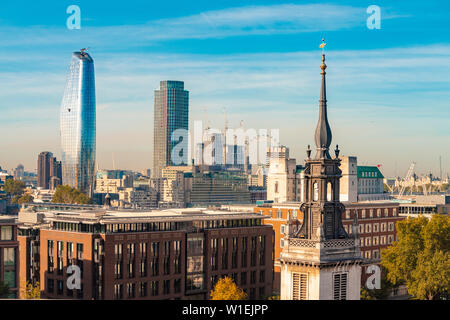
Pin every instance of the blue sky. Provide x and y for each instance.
(388, 89)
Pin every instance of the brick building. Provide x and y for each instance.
(160, 254)
(376, 221)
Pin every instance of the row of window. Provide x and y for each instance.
(150, 267)
(155, 226)
(372, 227)
(164, 248)
(370, 213)
(377, 240)
(145, 289)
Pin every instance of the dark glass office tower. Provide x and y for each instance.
(77, 124)
(171, 113)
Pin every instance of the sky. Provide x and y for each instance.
(387, 89)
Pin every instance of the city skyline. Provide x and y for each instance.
(388, 72)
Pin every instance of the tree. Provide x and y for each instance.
(226, 289)
(67, 194)
(420, 258)
(4, 290)
(23, 199)
(14, 187)
(32, 291)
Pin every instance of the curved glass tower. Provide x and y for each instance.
(77, 124)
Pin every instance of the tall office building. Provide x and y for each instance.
(45, 161)
(77, 124)
(171, 113)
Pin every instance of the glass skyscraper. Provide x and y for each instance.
(77, 124)
(171, 113)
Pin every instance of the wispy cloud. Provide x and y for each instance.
(230, 22)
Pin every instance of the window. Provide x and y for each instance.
(60, 288)
(279, 214)
(299, 286)
(118, 270)
(376, 254)
(383, 227)
(363, 214)
(361, 228)
(50, 285)
(283, 229)
(253, 277)
(243, 278)
(6, 233)
(394, 212)
(143, 289)
(376, 227)
(368, 228)
(282, 243)
(375, 241)
(166, 286)
(390, 239)
(262, 276)
(371, 213)
(391, 226)
(340, 286)
(379, 213)
(131, 290)
(347, 214)
(154, 285)
(177, 285)
(118, 288)
(386, 212)
(316, 191)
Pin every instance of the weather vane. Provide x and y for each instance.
(322, 45)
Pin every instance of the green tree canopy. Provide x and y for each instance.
(67, 194)
(23, 199)
(14, 187)
(226, 289)
(420, 258)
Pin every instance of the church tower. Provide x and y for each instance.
(319, 260)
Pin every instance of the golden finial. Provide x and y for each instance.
(322, 45)
(323, 66)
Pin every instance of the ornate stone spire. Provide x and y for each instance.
(323, 131)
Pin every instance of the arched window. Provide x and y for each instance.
(316, 191)
(329, 191)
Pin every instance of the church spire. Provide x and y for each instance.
(323, 131)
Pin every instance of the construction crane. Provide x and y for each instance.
(408, 176)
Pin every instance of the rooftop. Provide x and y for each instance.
(129, 216)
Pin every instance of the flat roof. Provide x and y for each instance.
(133, 216)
